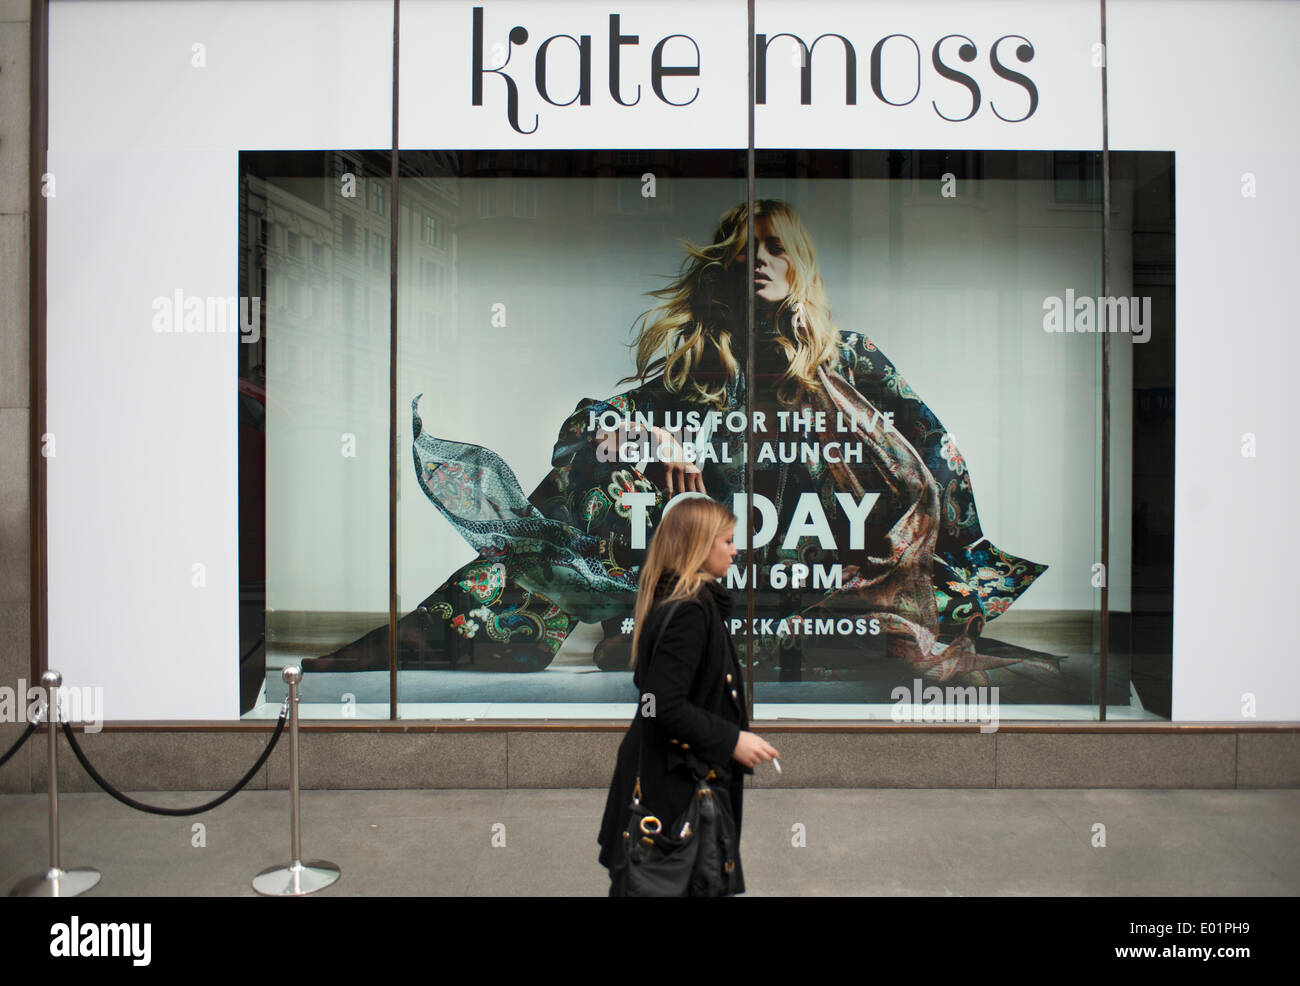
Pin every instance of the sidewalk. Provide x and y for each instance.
(874, 842)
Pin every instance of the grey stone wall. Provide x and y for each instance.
(422, 756)
(15, 396)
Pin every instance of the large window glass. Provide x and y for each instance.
(530, 470)
(953, 282)
(314, 447)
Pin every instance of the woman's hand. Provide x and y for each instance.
(668, 468)
(679, 475)
(751, 750)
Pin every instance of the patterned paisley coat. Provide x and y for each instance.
(918, 583)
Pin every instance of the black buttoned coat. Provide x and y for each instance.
(686, 665)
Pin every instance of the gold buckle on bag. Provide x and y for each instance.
(645, 825)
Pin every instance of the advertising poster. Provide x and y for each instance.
(574, 351)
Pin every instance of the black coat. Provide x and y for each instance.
(689, 666)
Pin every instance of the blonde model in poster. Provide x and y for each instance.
(894, 509)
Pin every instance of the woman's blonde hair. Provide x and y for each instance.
(691, 336)
(681, 543)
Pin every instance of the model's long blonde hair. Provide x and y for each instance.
(692, 335)
(681, 543)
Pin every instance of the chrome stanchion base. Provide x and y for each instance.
(57, 883)
(297, 879)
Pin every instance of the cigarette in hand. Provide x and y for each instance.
(777, 764)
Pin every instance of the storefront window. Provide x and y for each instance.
(924, 420)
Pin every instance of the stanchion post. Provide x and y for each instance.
(56, 881)
(298, 878)
(294, 676)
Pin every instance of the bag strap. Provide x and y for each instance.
(640, 747)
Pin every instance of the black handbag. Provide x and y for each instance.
(696, 857)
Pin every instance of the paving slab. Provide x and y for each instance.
(813, 842)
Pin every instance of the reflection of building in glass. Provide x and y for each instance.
(315, 241)
(319, 257)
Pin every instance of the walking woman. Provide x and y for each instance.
(691, 719)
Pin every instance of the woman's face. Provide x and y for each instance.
(722, 553)
(771, 265)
